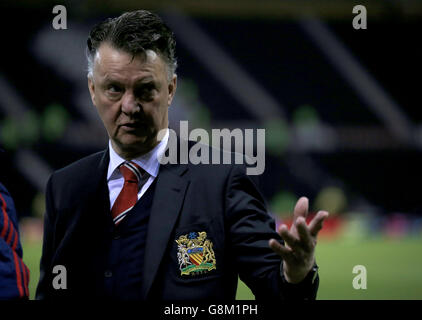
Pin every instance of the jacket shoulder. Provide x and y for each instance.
(218, 162)
(86, 164)
(77, 179)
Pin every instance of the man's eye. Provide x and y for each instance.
(113, 88)
(145, 94)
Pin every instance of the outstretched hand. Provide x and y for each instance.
(298, 253)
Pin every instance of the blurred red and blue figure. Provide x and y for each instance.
(14, 275)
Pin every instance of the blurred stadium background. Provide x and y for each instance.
(341, 108)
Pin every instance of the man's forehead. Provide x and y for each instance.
(106, 55)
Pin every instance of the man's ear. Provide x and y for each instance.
(172, 89)
(91, 88)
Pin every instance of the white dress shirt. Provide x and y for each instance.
(149, 162)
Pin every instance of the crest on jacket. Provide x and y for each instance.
(195, 254)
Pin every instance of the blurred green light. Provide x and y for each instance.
(331, 199)
(29, 130)
(283, 203)
(9, 134)
(276, 136)
(38, 205)
(305, 115)
(54, 122)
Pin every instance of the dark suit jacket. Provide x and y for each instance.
(218, 199)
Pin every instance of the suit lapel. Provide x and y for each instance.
(168, 199)
(99, 198)
(89, 215)
(94, 206)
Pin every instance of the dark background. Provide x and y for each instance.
(324, 138)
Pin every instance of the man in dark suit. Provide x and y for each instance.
(124, 226)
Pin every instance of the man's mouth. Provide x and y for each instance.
(133, 125)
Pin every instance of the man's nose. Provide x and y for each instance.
(130, 105)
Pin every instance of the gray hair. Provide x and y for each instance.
(134, 32)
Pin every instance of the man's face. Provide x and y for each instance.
(132, 96)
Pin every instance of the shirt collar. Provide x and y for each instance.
(150, 161)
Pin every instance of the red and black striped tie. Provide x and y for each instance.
(128, 196)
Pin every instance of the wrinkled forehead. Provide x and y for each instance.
(108, 60)
(108, 54)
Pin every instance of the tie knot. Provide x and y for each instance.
(131, 171)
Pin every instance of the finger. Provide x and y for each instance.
(317, 222)
(281, 250)
(301, 208)
(288, 237)
(305, 238)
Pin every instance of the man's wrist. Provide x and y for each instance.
(310, 277)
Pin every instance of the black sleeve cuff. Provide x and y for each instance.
(304, 290)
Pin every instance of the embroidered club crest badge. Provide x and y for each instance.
(195, 254)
